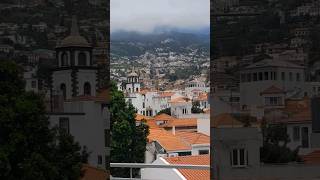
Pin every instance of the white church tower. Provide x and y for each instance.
(75, 74)
(133, 82)
(76, 104)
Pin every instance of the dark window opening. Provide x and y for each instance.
(63, 90)
(87, 89)
(64, 124)
(82, 59)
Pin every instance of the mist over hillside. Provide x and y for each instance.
(125, 43)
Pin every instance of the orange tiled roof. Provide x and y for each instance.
(193, 137)
(167, 140)
(225, 119)
(91, 173)
(163, 116)
(140, 117)
(202, 97)
(273, 90)
(166, 94)
(152, 124)
(188, 122)
(296, 106)
(298, 111)
(312, 158)
(180, 100)
(192, 174)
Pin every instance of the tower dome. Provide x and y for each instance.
(133, 73)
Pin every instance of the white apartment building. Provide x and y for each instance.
(267, 73)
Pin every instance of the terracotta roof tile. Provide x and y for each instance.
(225, 119)
(140, 117)
(180, 100)
(312, 158)
(202, 97)
(163, 116)
(167, 140)
(188, 122)
(191, 174)
(166, 94)
(193, 137)
(91, 173)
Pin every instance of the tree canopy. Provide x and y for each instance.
(128, 140)
(275, 150)
(29, 148)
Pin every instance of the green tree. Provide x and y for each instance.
(128, 140)
(275, 140)
(29, 148)
(196, 107)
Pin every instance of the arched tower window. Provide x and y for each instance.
(87, 89)
(64, 59)
(63, 90)
(82, 59)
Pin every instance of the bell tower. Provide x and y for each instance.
(133, 82)
(75, 74)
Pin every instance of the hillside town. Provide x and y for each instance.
(265, 90)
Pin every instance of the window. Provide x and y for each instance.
(33, 84)
(203, 152)
(64, 59)
(63, 91)
(260, 76)
(298, 76)
(137, 89)
(249, 77)
(296, 133)
(87, 89)
(99, 159)
(107, 138)
(143, 105)
(275, 76)
(239, 158)
(290, 76)
(266, 76)
(188, 153)
(255, 76)
(82, 59)
(271, 101)
(283, 76)
(64, 124)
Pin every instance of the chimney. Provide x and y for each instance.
(174, 130)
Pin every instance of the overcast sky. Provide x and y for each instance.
(146, 15)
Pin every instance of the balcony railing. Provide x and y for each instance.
(163, 166)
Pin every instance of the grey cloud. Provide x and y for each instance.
(145, 15)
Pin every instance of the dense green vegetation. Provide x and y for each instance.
(274, 149)
(128, 140)
(29, 148)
